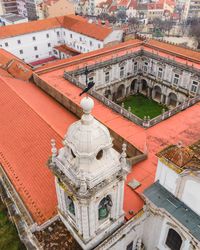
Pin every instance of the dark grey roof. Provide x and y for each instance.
(164, 199)
(12, 17)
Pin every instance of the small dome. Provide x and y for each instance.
(87, 136)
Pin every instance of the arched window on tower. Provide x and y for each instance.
(173, 240)
(70, 205)
(104, 207)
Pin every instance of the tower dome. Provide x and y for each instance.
(87, 136)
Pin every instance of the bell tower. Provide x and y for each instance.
(89, 178)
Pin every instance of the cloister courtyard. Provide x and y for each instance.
(142, 106)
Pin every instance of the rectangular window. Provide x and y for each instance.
(36, 56)
(18, 41)
(176, 79)
(135, 67)
(107, 77)
(47, 35)
(6, 44)
(58, 33)
(71, 36)
(130, 246)
(99, 45)
(49, 45)
(34, 38)
(80, 38)
(160, 72)
(122, 72)
(145, 67)
(21, 51)
(35, 48)
(90, 43)
(194, 87)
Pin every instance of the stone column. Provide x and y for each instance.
(162, 98)
(148, 92)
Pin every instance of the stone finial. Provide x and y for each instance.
(129, 109)
(122, 104)
(163, 111)
(83, 184)
(139, 244)
(87, 104)
(53, 149)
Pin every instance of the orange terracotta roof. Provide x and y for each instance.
(70, 22)
(24, 145)
(30, 27)
(183, 126)
(174, 49)
(14, 66)
(51, 120)
(104, 53)
(123, 3)
(4, 72)
(64, 48)
(163, 49)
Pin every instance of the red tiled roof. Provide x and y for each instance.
(46, 119)
(133, 4)
(123, 3)
(64, 48)
(183, 126)
(70, 22)
(14, 66)
(166, 50)
(24, 144)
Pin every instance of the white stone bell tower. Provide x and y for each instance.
(90, 178)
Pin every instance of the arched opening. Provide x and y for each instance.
(172, 99)
(134, 86)
(99, 155)
(107, 93)
(157, 93)
(173, 240)
(144, 87)
(70, 205)
(104, 207)
(120, 91)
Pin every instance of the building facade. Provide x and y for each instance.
(38, 42)
(168, 82)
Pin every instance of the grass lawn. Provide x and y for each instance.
(142, 106)
(9, 239)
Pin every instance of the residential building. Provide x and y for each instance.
(35, 40)
(192, 9)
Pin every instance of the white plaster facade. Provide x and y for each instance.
(164, 82)
(39, 45)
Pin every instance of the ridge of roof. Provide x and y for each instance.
(70, 22)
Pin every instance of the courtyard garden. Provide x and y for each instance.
(142, 106)
(9, 239)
